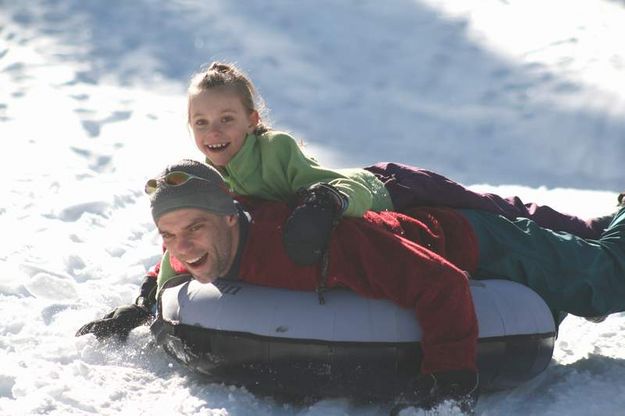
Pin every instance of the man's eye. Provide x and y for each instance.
(195, 228)
(166, 236)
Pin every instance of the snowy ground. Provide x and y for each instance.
(515, 97)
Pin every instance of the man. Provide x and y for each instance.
(416, 261)
(383, 255)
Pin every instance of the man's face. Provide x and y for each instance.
(204, 242)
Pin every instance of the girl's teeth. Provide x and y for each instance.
(217, 146)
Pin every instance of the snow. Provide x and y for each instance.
(509, 96)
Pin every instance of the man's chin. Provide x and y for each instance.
(204, 279)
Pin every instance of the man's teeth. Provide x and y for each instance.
(195, 260)
(218, 146)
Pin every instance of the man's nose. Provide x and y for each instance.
(184, 245)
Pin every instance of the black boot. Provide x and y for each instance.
(599, 224)
(430, 390)
(596, 319)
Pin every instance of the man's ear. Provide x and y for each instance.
(232, 219)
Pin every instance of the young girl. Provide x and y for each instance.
(257, 161)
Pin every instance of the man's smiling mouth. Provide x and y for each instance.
(198, 261)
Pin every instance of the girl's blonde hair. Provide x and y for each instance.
(221, 75)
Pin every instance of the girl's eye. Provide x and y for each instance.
(227, 119)
(201, 123)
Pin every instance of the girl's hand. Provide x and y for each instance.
(307, 231)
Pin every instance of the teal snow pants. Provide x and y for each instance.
(578, 276)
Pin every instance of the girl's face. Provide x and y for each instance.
(220, 122)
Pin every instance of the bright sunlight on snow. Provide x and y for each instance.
(516, 97)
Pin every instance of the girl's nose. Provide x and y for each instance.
(214, 129)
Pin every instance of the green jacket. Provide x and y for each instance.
(272, 166)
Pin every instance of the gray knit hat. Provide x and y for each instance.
(204, 189)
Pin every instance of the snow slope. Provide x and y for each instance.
(514, 97)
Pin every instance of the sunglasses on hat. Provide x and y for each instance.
(175, 178)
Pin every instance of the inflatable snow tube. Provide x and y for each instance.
(285, 343)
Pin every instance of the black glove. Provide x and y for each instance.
(120, 321)
(307, 231)
(147, 293)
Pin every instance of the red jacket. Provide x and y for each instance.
(415, 261)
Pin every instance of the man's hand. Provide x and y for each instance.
(307, 231)
(119, 322)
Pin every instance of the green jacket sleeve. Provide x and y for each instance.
(303, 171)
(272, 166)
